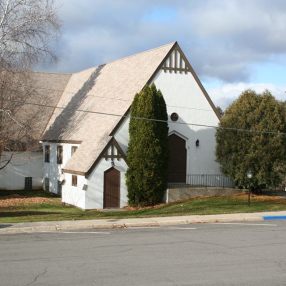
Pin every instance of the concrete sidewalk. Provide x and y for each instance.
(133, 222)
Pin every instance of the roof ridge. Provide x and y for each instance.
(126, 57)
(56, 73)
(139, 53)
(107, 63)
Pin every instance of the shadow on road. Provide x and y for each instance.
(5, 225)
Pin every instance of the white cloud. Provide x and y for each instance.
(233, 34)
(222, 38)
(227, 93)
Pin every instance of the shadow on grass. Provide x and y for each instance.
(26, 213)
(25, 193)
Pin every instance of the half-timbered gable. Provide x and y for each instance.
(176, 62)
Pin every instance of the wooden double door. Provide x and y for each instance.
(111, 195)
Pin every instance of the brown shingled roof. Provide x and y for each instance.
(107, 88)
(24, 93)
(49, 88)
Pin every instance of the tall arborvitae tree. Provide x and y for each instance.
(147, 154)
(243, 143)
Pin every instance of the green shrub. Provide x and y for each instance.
(243, 145)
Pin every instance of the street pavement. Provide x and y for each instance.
(232, 253)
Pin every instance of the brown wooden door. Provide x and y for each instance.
(111, 196)
(177, 159)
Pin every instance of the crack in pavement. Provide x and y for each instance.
(37, 277)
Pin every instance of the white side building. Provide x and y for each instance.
(22, 167)
(24, 171)
(93, 175)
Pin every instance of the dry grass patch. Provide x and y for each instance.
(16, 200)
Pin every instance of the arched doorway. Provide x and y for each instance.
(177, 159)
(111, 196)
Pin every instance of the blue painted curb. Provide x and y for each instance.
(276, 217)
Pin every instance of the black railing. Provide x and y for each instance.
(205, 180)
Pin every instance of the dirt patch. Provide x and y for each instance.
(269, 198)
(261, 198)
(17, 200)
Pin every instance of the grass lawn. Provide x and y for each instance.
(20, 206)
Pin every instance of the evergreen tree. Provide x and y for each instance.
(147, 154)
(264, 154)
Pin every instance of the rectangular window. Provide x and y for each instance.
(59, 154)
(59, 187)
(28, 183)
(73, 149)
(47, 184)
(74, 180)
(47, 153)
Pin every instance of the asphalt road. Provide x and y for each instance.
(199, 254)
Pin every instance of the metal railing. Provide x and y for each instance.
(205, 180)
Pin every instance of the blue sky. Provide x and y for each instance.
(274, 72)
(160, 14)
(232, 44)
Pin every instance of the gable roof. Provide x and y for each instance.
(106, 92)
(106, 89)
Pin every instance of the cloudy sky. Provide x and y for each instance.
(232, 44)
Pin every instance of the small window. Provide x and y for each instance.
(74, 180)
(73, 149)
(174, 116)
(47, 184)
(28, 183)
(59, 154)
(59, 187)
(47, 153)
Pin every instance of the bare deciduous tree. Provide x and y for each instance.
(26, 30)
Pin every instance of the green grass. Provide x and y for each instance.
(54, 210)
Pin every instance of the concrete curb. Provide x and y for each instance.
(133, 222)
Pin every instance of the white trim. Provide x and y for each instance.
(119, 168)
(188, 167)
(178, 134)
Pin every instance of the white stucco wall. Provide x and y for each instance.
(23, 164)
(52, 170)
(95, 181)
(74, 195)
(183, 96)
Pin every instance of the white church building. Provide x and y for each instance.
(86, 136)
